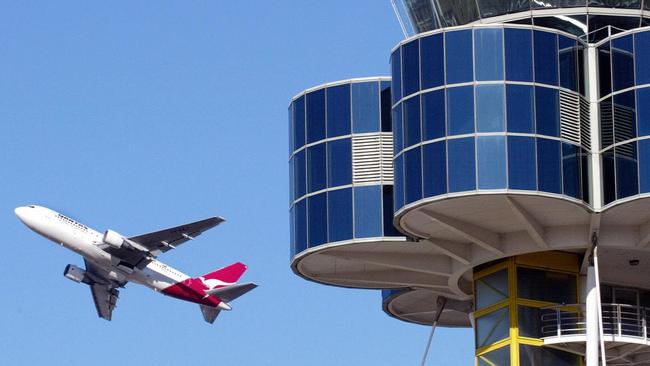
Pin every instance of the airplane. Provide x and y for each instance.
(112, 260)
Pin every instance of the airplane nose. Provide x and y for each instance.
(21, 212)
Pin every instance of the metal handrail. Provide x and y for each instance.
(618, 320)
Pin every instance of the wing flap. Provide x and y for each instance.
(105, 298)
(168, 239)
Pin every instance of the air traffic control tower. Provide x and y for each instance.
(500, 180)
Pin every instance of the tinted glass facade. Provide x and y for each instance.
(489, 115)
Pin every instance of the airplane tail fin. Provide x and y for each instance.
(228, 275)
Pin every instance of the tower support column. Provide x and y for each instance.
(592, 318)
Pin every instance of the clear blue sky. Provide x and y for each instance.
(139, 115)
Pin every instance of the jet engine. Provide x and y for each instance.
(113, 239)
(76, 274)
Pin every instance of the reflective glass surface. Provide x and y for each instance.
(339, 209)
(317, 167)
(317, 219)
(299, 123)
(609, 177)
(630, 4)
(642, 57)
(546, 53)
(315, 115)
(368, 221)
(458, 52)
(644, 166)
(568, 63)
(488, 46)
(491, 289)
(300, 174)
(389, 209)
(643, 105)
(571, 170)
(491, 8)
(492, 327)
(491, 156)
(604, 69)
(434, 169)
(623, 62)
(433, 115)
(521, 163)
(530, 321)
(519, 54)
(365, 107)
(624, 116)
(457, 12)
(411, 67)
(626, 170)
(412, 128)
(539, 356)
(498, 357)
(460, 118)
(461, 165)
(549, 172)
(432, 61)
(396, 72)
(339, 156)
(300, 211)
(385, 101)
(542, 285)
(547, 110)
(338, 110)
(490, 108)
(398, 128)
(520, 100)
(398, 167)
(413, 175)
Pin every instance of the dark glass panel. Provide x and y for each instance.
(338, 110)
(568, 63)
(434, 169)
(491, 289)
(624, 117)
(574, 24)
(365, 107)
(491, 159)
(539, 356)
(571, 170)
(315, 115)
(339, 156)
(519, 54)
(490, 8)
(585, 163)
(519, 101)
(457, 12)
(460, 111)
(398, 166)
(398, 129)
(367, 214)
(458, 52)
(629, 4)
(581, 69)
(642, 56)
(413, 175)
(488, 48)
(299, 123)
(604, 70)
(317, 207)
(292, 180)
(412, 128)
(627, 180)
(606, 123)
(461, 164)
(301, 226)
(432, 61)
(389, 228)
(547, 103)
(644, 167)
(609, 177)
(546, 53)
(549, 173)
(292, 129)
(316, 168)
(623, 62)
(498, 357)
(492, 327)
(292, 230)
(300, 174)
(396, 72)
(490, 108)
(597, 24)
(543, 285)
(433, 115)
(521, 163)
(422, 15)
(530, 322)
(557, 3)
(386, 123)
(339, 204)
(643, 103)
(411, 67)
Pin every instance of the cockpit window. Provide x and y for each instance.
(31, 206)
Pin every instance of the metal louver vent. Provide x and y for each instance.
(372, 158)
(570, 120)
(585, 124)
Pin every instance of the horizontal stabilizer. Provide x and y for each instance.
(230, 293)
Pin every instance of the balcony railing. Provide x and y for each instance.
(619, 320)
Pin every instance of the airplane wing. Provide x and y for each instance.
(168, 239)
(104, 291)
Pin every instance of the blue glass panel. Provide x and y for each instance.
(386, 123)
(292, 129)
(389, 228)
(316, 168)
(411, 121)
(546, 57)
(642, 57)
(609, 177)
(623, 62)
(396, 71)
(604, 69)
(462, 165)
(519, 101)
(626, 170)
(301, 225)
(488, 46)
(339, 156)
(585, 162)
(547, 105)
(643, 111)
(568, 63)
(317, 207)
(521, 163)
(398, 166)
(624, 116)
(460, 111)
(411, 67)
(365, 107)
(338, 110)
(413, 175)
(300, 174)
(519, 54)
(299, 123)
(434, 169)
(549, 172)
(644, 165)
(367, 211)
(292, 183)
(490, 108)
(292, 230)
(433, 115)
(316, 115)
(458, 52)
(432, 61)
(339, 203)
(491, 158)
(571, 170)
(398, 129)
